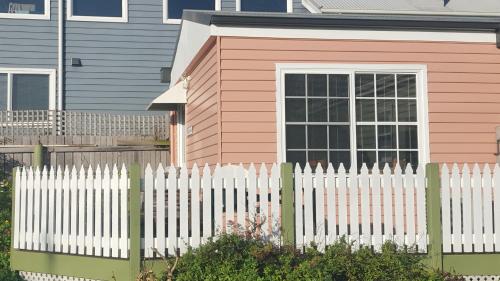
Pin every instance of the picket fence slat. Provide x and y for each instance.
(421, 210)
(264, 200)
(44, 215)
(275, 203)
(342, 202)
(496, 203)
(81, 212)
(29, 219)
(319, 184)
(98, 212)
(308, 206)
(331, 208)
(456, 205)
(89, 184)
(106, 232)
(160, 212)
(183, 215)
(487, 210)
(195, 208)
(354, 208)
(37, 183)
(467, 207)
(172, 210)
(364, 181)
(377, 209)
(207, 203)
(388, 205)
(299, 214)
(123, 188)
(229, 192)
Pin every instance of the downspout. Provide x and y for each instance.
(60, 54)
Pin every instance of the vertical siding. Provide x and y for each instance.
(121, 61)
(29, 43)
(202, 111)
(463, 91)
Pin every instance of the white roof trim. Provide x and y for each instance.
(170, 99)
(194, 35)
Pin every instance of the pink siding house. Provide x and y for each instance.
(335, 88)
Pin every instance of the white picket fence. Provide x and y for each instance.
(470, 209)
(190, 209)
(86, 212)
(365, 208)
(72, 212)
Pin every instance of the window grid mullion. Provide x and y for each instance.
(396, 117)
(328, 119)
(307, 118)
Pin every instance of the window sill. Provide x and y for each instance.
(98, 19)
(172, 21)
(25, 16)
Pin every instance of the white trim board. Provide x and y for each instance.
(351, 69)
(71, 17)
(406, 35)
(44, 16)
(289, 6)
(166, 20)
(43, 71)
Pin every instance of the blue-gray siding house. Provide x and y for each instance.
(120, 57)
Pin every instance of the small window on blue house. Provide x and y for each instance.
(98, 10)
(27, 89)
(263, 5)
(174, 8)
(24, 8)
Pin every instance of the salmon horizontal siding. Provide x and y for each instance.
(202, 146)
(463, 90)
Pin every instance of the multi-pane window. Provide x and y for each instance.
(263, 5)
(26, 91)
(174, 8)
(321, 129)
(24, 8)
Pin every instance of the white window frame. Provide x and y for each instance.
(351, 69)
(289, 6)
(14, 71)
(44, 16)
(166, 20)
(123, 18)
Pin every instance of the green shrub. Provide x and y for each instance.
(235, 258)
(5, 228)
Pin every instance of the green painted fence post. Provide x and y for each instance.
(135, 220)
(434, 228)
(287, 210)
(38, 157)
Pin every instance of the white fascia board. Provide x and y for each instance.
(192, 37)
(406, 35)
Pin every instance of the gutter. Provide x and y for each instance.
(60, 54)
